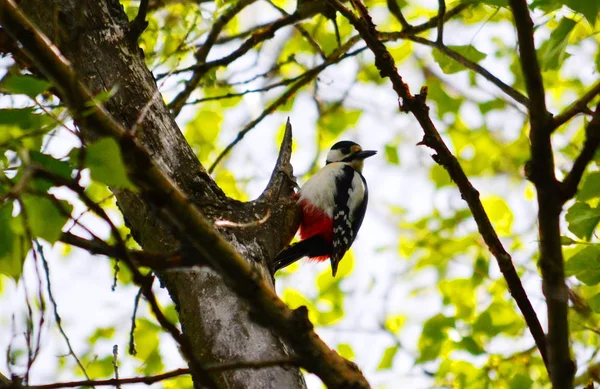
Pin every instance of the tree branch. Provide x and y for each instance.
(515, 94)
(540, 170)
(397, 12)
(306, 78)
(530, 65)
(150, 380)
(578, 106)
(293, 325)
(417, 106)
(590, 146)
(139, 24)
(155, 261)
(440, 27)
(200, 69)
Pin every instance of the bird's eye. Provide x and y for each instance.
(345, 150)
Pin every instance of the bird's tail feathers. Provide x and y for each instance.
(311, 247)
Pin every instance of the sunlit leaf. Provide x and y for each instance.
(391, 154)
(13, 247)
(588, 8)
(387, 360)
(106, 164)
(585, 265)
(345, 350)
(583, 219)
(24, 84)
(499, 213)
(553, 52)
(435, 332)
(449, 65)
(590, 188)
(594, 302)
(520, 381)
(46, 216)
(394, 323)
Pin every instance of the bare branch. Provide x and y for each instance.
(293, 325)
(306, 78)
(515, 94)
(57, 317)
(440, 28)
(529, 62)
(578, 106)
(540, 170)
(149, 380)
(590, 146)
(417, 106)
(202, 67)
(139, 24)
(397, 12)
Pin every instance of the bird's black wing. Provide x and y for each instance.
(359, 214)
(343, 231)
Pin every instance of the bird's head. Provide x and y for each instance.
(349, 152)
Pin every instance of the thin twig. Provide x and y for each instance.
(540, 170)
(590, 146)
(397, 12)
(144, 281)
(293, 325)
(306, 78)
(136, 303)
(441, 14)
(149, 380)
(515, 94)
(116, 366)
(578, 106)
(416, 104)
(57, 317)
(139, 24)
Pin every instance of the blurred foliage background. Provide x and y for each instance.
(419, 301)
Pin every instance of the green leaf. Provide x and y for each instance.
(583, 219)
(521, 381)
(394, 323)
(496, 3)
(553, 52)
(439, 176)
(449, 65)
(590, 189)
(469, 344)
(60, 168)
(433, 336)
(387, 360)
(595, 303)
(566, 241)
(13, 248)
(44, 217)
(391, 154)
(588, 8)
(345, 350)
(24, 84)
(332, 125)
(460, 293)
(585, 265)
(106, 165)
(499, 213)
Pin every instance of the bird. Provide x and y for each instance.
(332, 203)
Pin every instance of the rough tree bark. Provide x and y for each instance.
(95, 36)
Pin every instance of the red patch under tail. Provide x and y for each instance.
(315, 222)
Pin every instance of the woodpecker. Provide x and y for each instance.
(333, 204)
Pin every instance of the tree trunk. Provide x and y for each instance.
(94, 36)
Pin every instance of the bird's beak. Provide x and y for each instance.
(363, 154)
(334, 266)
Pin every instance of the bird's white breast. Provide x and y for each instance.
(319, 190)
